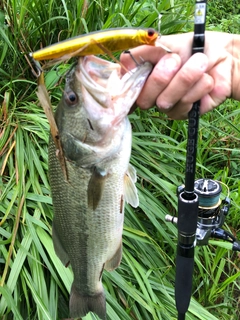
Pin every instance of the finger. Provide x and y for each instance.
(182, 45)
(204, 86)
(223, 77)
(183, 81)
(200, 91)
(181, 110)
(140, 54)
(179, 43)
(158, 80)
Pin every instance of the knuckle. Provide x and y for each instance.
(160, 78)
(208, 82)
(187, 77)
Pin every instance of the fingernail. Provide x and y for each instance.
(163, 106)
(200, 61)
(168, 64)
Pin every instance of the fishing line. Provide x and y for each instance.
(208, 192)
(159, 23)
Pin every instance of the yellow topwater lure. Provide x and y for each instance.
(95, 42)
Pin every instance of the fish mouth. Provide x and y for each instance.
(94, 74)
(105, 83)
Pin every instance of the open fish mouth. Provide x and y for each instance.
(104, 81)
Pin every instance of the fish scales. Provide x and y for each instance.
(92, 236)
(89, 206)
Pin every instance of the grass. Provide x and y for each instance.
(33, 283)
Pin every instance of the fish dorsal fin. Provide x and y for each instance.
(130, 190)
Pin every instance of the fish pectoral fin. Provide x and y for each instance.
(130, 190)
(95, 187)
(61, 253)
(114, 262)
(132, 173)
(81, 304)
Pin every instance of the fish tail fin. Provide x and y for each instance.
(81, 304)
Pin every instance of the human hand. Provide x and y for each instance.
(179, 79)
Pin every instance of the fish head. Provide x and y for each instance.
(97, 99)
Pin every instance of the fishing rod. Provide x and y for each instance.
(188, 200)
(201, 213)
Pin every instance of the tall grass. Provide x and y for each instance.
(34, 284)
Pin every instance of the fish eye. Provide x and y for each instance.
(71, 97)
(151, 32)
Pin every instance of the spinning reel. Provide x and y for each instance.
(212, 212)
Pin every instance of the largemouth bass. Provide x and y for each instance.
(95, 134)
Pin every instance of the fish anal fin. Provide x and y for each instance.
(80, 304)
(130, 190)
(114, 262)
(95, 187)
(60, 252)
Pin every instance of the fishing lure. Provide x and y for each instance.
(93, 42)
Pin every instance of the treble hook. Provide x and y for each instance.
(133, 58)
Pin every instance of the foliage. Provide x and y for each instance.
(225, 15)
(34, 284)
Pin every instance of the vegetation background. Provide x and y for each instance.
(33, 283)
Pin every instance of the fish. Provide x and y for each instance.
(88, 205)
(98, 42)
